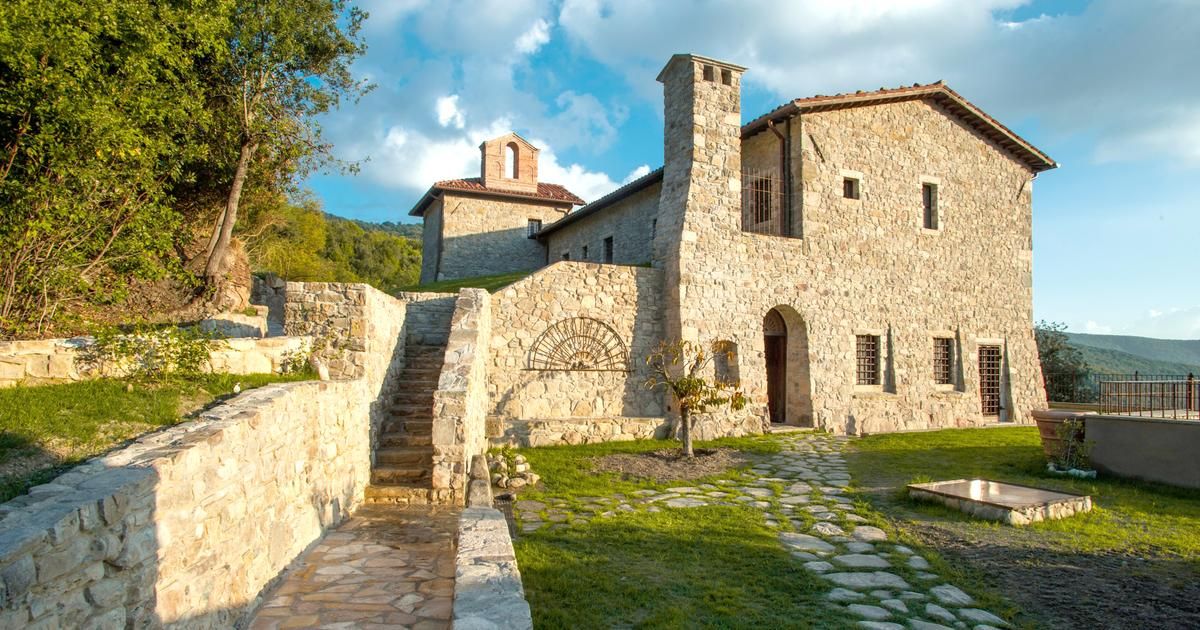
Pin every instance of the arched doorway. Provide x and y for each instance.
(785, 346)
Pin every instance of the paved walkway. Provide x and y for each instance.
(386, 567)
(801, 490)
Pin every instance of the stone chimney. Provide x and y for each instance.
(509, 163)
(700, 204)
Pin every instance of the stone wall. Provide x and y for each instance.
(186, 526)
(625, 298)
(484, 236)
(460, 402)
(630, 222)
(431, 241)
(1151, 449)
(47, 361)
(552, 431)
(863, 266)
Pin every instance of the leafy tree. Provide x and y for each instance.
(1063, 366)
(680, 368)
(288, 62)
(99, 108)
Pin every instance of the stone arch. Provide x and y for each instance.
(512, 157)
(788, 379)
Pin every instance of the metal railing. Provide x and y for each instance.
(1085, 387)
(1175, 399)
(764, 204)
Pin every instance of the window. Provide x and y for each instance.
(726, 76)
(608, 249)
(709, 73)
(510, 161)
(867, 359)
(566, 256)
(653, 228)
(929, 204)
(943, 360)
(725, 362)
(584, 257)
(533, 227)
(850, 188)
(760, 200)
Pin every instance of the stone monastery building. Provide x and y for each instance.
(865, 258)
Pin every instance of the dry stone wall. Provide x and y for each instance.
(625, 298)
(631, 223)
(460, 402)
(188, 525)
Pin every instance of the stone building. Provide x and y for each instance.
(865, 257)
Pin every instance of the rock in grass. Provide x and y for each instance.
(863, 581)
(868, 611)
(951, 595)
(981, 616)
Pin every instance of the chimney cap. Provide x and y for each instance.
(693, 57)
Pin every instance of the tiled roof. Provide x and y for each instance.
(624, 191)
(939, 92)
(545, 192)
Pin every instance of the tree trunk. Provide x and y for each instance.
(216, 259)
(685, 422)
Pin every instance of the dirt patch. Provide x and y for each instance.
(668, 465)
(1075, 590)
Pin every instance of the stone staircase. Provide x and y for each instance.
(404, 452)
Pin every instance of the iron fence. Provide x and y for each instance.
(1174, 399)
(1085, 388)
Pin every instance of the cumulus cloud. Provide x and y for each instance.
(1116, 71)
(636, 173)
(1169, 323)
(537, 36)
(448, 113)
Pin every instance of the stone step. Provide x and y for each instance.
(411, 424)
(406, 494)
(415, 456)
(412, 398)
(422, 374)
(390, 475)
(402, 438)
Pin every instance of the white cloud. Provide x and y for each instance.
(1168, 323)
(636, 173)
(531, 40)
(1092, 327)
(1118, 72)
(448, 112)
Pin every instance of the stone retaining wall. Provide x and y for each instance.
(47, 361)
(487, 583)
(1152, 449)
(460, 402)
(188, 525)
(550, 432)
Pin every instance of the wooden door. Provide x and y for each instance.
(989, 380)
(776, 347)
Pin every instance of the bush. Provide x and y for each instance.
(148, 353)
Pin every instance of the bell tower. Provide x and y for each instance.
(509, 163)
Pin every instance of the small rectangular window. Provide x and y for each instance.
(726, 76)
(566, 256)
(585, 256)
(929, 205)
(653, 228)
(943, 360)
(709, 73)
(850, 188)
(608, 249)
(533, 227)
(867, 359)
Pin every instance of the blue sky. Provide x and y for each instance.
(1110, 89)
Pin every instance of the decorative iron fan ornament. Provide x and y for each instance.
(579, 344)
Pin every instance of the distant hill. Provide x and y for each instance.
(1123, 354)
(407, 230)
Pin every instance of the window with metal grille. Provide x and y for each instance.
(989, 380)
(867, 359)
(608, 249)
(850, 188)
(760, 200)
(929, 203)
(533, 227)
(943, 360)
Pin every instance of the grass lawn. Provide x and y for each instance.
(491, 283)
(46, 429)
(707, 567)
(1139, 544)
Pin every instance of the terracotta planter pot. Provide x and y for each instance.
(1048, 423)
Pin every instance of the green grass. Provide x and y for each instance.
(708, 567)
(1128, 517)
(491, 283)
(46, 429)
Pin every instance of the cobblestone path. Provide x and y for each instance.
(385, 567)
(802, 490)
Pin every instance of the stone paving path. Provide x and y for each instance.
(385, 567)
(802, 490)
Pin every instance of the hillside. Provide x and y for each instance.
(1127, 350)
(1104, 361)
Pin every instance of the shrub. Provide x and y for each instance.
(144, 352)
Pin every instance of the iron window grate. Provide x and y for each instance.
(989, 380)
(943, 360)
(867, 359)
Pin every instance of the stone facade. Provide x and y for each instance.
(631, 226)
(484, 235)
(552, 431)
(48, 361)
